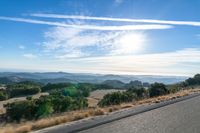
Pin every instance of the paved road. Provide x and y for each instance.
(181, 117)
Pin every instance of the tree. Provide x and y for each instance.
(140, 92)
(3, 95)
(193, 81)
(116, 98)
(44, 107)
(157, 89)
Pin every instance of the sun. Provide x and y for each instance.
(130, 43)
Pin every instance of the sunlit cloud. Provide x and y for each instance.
(68, 42)
(128, 43)
(108, 49)
(181, 62)
(169, 63)
(154, 21)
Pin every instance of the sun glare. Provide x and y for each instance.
(131, 43)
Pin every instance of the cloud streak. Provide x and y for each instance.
(168, 63)
(154, 21)
(30, 56)
(181, 62)
(89, 27)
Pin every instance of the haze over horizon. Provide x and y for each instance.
(134, 37)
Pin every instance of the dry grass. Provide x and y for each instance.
(91, 112)
(97, 95)
(92, 102)
(54, 120)
(2, 111)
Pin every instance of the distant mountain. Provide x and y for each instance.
(56, 77)
(10, 79)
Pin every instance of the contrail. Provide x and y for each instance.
(89, 27)
(170, 22)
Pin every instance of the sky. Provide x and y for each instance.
(145, 37)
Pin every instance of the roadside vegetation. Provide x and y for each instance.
(64, 98)
(155, 90)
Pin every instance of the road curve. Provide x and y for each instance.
(181, 117)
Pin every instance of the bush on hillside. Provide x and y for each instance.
(3, 95)
(140, 92)
(116, 98)
(157, 89)
(44, 106)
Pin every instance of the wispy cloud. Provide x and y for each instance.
(119, 1)
(21, 47)
(154, 21)
(69, 42)
(180, 62)
(89, 27)
(169, 63)
(30, 56)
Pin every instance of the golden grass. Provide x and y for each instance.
(92, 102)
(90, 112)
(2, 111)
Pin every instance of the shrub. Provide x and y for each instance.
(21, 109)
(51, 87)
(174, 88)
(140, 92)
(158, 89)
(23, 88)
(116, 98)
(44, 106)
(3, 95)
(193, 81)
(23, 91)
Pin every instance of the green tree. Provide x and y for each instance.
(3, 95)
(44, 107)
(158, 89)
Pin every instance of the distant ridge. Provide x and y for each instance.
(56, 77)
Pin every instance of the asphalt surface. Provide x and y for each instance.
(176, 116)
(181, 117)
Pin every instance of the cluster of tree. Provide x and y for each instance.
(3, 95)
(156, 89)
(52, 87)
(44, 106)
(30, 88)
(116, 84)
(19, 89)
(68, 89)
(23, 89)
(139, 92)
(192, 81)
(116, 98)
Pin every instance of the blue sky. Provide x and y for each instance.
(101, 36)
